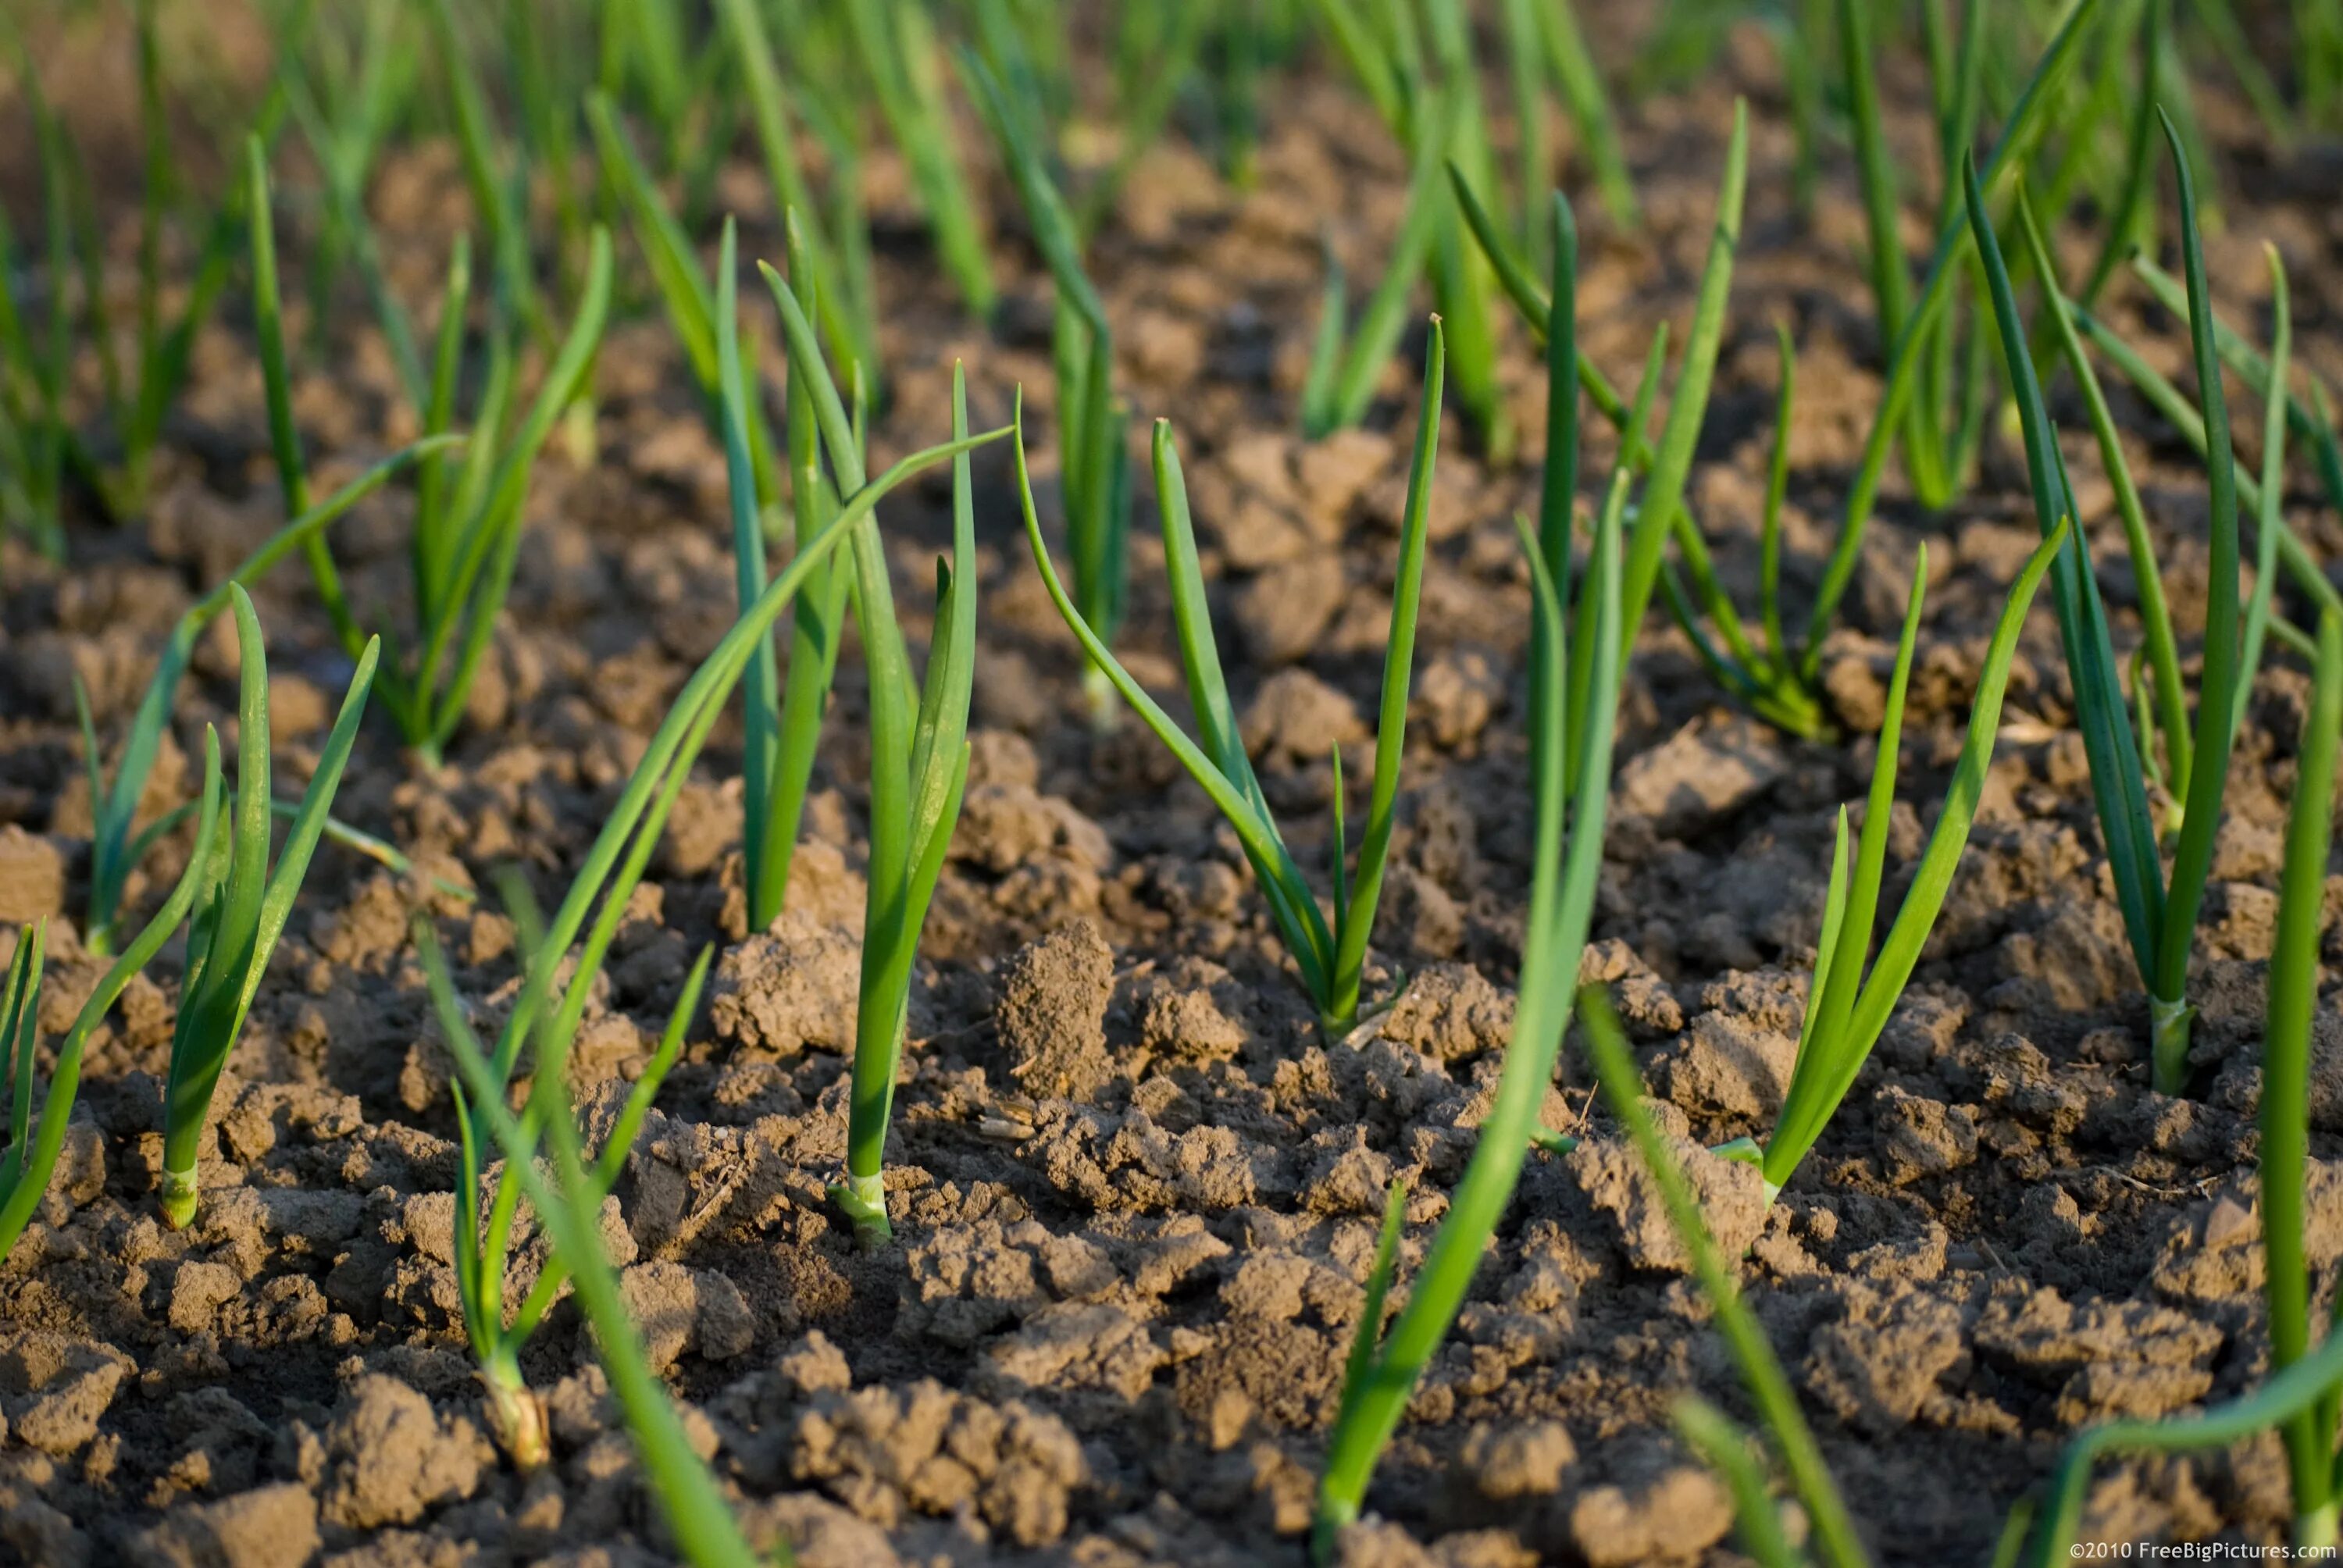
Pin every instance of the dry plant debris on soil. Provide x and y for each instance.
(1407, 783)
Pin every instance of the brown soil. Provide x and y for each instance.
(1135, 1194)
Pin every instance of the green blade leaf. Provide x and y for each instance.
(1688, 407)
(2192, 858)
(2117, 791)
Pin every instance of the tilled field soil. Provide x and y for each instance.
(1135, 1193)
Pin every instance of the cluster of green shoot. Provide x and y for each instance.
(919, 765)
(918, 740)
(234, 903)
(467, 533)
(1935, 407)
(661, 106)
(31, 1159)
(1776, 676)
(2298, 1400)
(241, 903)
(1572, 720)
(1329, 954)
(1578, 653)
(1419, 69)
(1093, 454)
(44, 441)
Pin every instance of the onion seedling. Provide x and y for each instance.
(241, 903)
(2161, 920)
(1569, 805)
(1548, 31)
(896, 42)
(483, 1236)
(2299, 1399)
(845, 313)
(2294, 978)
(2022, 129)
(1766, 677)
(137, 399)
(783, 722)
(37, 366)
(31, 1158)
(1407, 78)
(1329, 955)
(1347, 364)
(1093, 456)
(919, 759)
(467, 526)
(782, 715)
(1846, 1005)
(1833, 1531)
(675, 270)
(117, 842)
(544, 1019)
(568, 1201)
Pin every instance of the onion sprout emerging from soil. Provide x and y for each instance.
(241, 904)
(1431, 91)
(897, 46)
(844, 313)
(568, 1201)
(1567, 858)
(1093, 456)
(2021, 130)
(1331, 956)
(483, 1241)
(31, 1158)
(468, 526)
(1761, 1372)
(2300, 1398)
(116, 851)
(2160, 920)
(919, 753)
(1762, 673)
(604, 882)
(1846, 1005)
(681, 281)
(782, 715)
